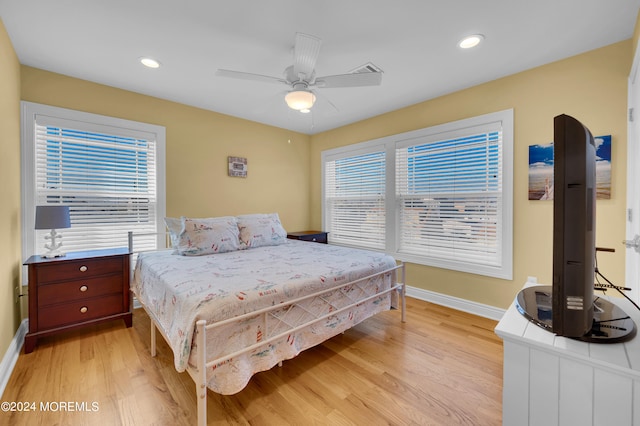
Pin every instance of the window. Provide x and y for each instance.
(355, 199)
(444, 199)
(110, 172)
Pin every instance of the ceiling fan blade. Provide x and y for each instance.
(322, 98)
(249, 76)
(350, 80)
(305, 55)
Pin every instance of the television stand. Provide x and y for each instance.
(610, 323)
(553, 380)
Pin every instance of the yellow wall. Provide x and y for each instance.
(9, 190)
(591, 87)
(198, 144)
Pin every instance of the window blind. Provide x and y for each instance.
(449, 194)
(440, 196)
(107, 178)
(355, 200)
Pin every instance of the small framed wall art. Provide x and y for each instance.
(237, 167)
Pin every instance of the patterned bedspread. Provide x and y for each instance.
(180, 290)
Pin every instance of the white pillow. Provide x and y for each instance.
(174, 226)
(208, 236)
(257, 230)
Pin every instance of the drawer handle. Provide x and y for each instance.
(83, 268)
(84, 309)
(84, 288)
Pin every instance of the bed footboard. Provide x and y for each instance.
(322, 314)
(199, 372)
(200, 377)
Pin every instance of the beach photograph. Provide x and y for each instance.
(541, 170)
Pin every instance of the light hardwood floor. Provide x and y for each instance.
(441, 367)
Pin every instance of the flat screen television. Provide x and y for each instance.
(569, 307)
(574, 227)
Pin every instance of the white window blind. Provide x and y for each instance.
(355, 200)
(449, 195)
(108, 171)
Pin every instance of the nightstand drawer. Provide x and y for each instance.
(52, 294)
(79, 311)
(78, 269)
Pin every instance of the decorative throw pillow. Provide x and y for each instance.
(257, 230)
(174, 226)
(208, 236)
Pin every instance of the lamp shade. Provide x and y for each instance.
(300, 99)
(52, 217)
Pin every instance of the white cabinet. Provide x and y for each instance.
(550, 380)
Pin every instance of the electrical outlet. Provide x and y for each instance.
(20, 291)
(532, 279)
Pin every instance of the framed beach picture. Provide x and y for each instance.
(541, 170)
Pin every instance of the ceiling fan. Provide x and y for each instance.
(301, 76)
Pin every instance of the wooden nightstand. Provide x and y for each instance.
(76, 290)
(314, 236)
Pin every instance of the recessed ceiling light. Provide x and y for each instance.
(149, 62)
(471, 41)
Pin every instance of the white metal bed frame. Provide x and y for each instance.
(279, 312)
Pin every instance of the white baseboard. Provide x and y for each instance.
(464, 305)
(11, 356)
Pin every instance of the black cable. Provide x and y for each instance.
(613, 319)
(613, 286)
(618, 289)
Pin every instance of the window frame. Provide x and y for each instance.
(89, 122)
(390, 143)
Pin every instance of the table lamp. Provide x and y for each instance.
(53, 217)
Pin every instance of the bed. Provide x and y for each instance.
(244, 308)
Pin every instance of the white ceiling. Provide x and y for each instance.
(413, 41)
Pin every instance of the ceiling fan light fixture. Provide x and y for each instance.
(300, 100)
(471, 41)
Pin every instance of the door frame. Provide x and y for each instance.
(632, 258)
